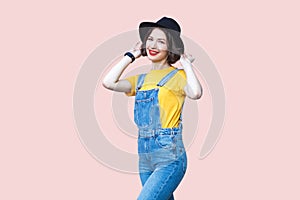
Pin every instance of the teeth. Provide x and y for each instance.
(153, 52)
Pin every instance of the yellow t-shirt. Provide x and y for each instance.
(170, 97)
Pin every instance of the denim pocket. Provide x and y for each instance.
(165, 141)
(142, 110)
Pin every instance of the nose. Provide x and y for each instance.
(153, 44)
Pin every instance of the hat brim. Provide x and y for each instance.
(145, 26)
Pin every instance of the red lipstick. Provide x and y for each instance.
(153, 53)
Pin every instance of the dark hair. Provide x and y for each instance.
(174, 44)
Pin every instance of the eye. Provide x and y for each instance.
(150, 38)
(162, 41)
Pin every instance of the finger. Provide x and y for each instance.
(182, 57)
(137, 45)
(192, 59)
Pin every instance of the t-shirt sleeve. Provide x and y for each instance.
(133, 81)
(182, 81)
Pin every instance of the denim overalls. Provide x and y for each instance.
(162, 157)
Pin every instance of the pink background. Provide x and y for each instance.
(254, 45)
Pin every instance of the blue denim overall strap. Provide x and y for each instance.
(140, 81)
(165, 79)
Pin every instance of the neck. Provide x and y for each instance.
(160, 65)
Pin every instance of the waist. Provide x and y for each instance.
(146, 133)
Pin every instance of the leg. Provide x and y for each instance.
(145, 169)
(161, 184)
(144, 177)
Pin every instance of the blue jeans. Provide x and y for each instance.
(162, 163)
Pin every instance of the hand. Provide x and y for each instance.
(136, 51)
(185, 60)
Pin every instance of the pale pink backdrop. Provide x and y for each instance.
(254, 45)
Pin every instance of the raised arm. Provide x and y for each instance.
(193, 88)
(112, 79)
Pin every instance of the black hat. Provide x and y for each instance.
(164, 22)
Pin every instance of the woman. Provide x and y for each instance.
(159, 97)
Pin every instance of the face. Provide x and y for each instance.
(156, 46)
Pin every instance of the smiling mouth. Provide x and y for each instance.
(153, 53)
